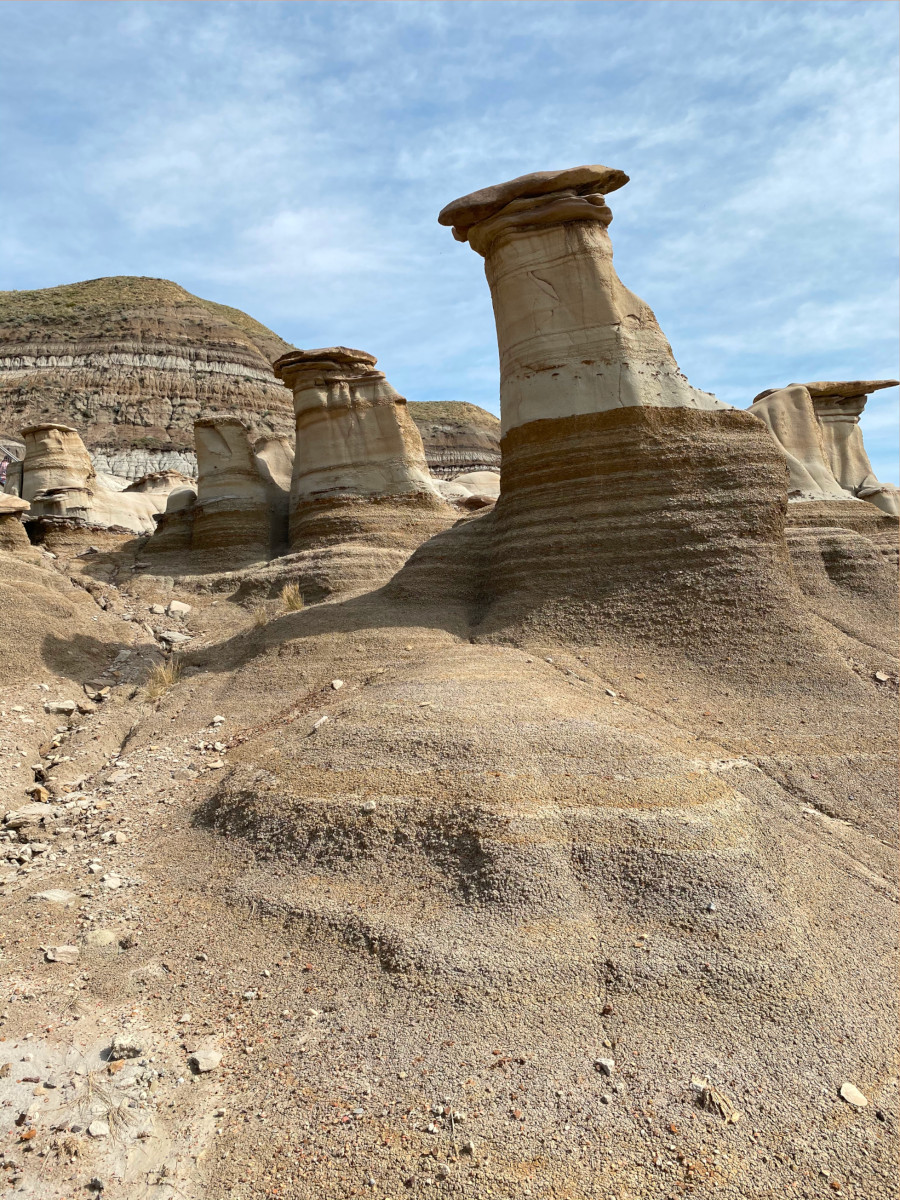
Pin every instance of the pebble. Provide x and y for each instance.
(158, 609)
(853, 1095)
(337, 684)
(178, 608)
(881, 677)
(606, 1066)
(369, 807)
(217, 721)
(111, 881)
(98, 1129)
(55, 896)
(174, 637)
(66, 707)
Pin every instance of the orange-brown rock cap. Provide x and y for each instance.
(329, 354)
(845, 388)
(467, 211)
(12, 504)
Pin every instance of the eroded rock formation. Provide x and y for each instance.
(132, 363)
(626, 492)
(59, 483)
(360, 480)
(816, 426)
(457, 437)
(12, 531)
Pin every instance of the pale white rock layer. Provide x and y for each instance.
(573, 339)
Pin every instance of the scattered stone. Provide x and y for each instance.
(178, 609)
(118, 777)
(173, 637)
(881, 676)
(99, 937)
(125, 1045)
(98, 1129)
(606, 1066)
(158, 610)
(217, 721)
(55, 896)
(369, 807)
(853, 1096)
(111, 881)
(62, 954)
(62, 707)
(337, 684)
(39, 794)
(606, 1098)
(205, 1060)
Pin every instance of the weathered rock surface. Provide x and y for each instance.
(362, 497)
(457, 437)
(132, 363)
(12, 531)
(816, 425)
(62, 489)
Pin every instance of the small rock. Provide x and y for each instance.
(178, 609)
(117, 777)
(39, 794)
(184, 1019)
(125, 1045)
(468, 1147)
(606, 1098)
(217, 721)
(173, 637)
(63, 707)
(158, 609)
(99, 937)
(111, 881)
(98, 1129)
(881, 676)
(369, 807)
(62, 954)
(205, 1060)
(337, 684)
(606, 1066)
(853, 1095)
(610, 692)
(55, 896)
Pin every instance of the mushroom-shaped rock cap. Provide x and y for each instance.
(831, 388)
(48, 425)
(332, 354)
(12, 504)
(478, 206)
(852, 387)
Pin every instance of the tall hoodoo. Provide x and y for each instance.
(362, 497)
(232, 498)
(625, 490)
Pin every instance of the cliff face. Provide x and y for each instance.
(132, 363)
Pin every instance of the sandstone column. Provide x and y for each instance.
(838, 408)
(360, 480)
(232, 510)
(629, 498)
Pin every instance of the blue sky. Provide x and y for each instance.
(291, 158)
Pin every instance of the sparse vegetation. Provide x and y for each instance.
(291, 597)
(260, 616)
(162, 678)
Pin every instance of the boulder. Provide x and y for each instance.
(12, 532)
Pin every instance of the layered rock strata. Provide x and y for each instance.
(59, 483)
(133, 362)
(457, 437)
(12, 531)
(237, 511)
(816, 425)
(628, 496)
(362, 497)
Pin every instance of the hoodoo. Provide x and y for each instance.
(817, 427)
(626, 492)
(360, 480)
(63, 490)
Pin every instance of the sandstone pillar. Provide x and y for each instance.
(629, 499)
(359, 477)
(838, 408)
(232, 510)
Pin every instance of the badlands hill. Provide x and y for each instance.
(133, 362)
(364, 840)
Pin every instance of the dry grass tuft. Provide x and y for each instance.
(163, 677)
(260, 616)
(291, 597)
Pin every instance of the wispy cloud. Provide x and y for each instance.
(290, 159)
